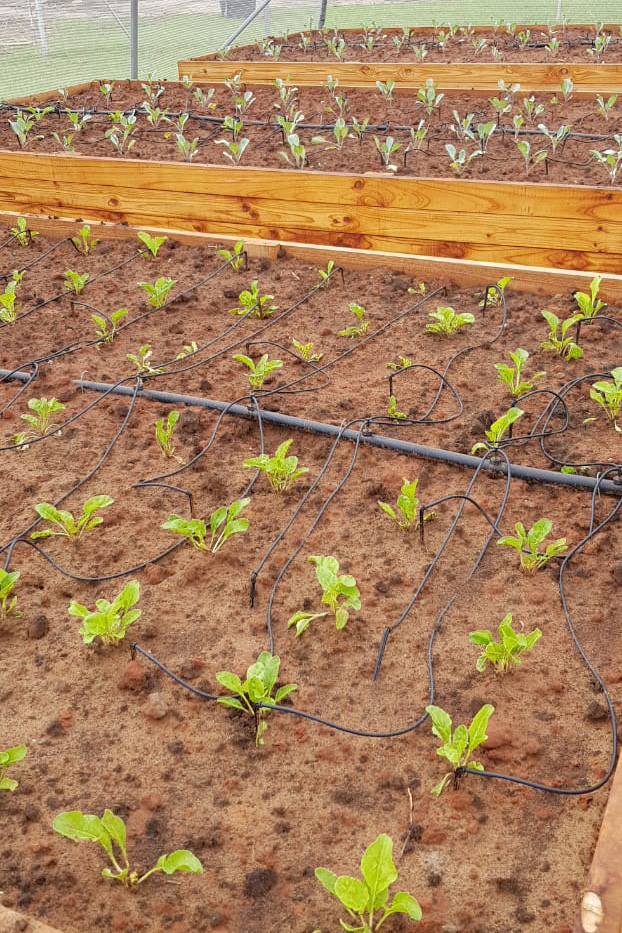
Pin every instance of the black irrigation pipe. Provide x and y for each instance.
(517, 471)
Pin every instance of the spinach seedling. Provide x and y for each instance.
(305, 350)
(158, 292)
(458, 747)
(110, 620)
(224, 523)
(260, 370)
(152, 243)
(590, 305)
(84, 242)
(8, 311)
(526, 543)
(512, 376)
(363, 899)
(407, 506)
(8, 579)
(65, 521)
(142, 360)
(336, 586)
(22, 233)
(254, 304)
(107, 326)
(497, 429)
(164, 435)
(392, 410)
(507, 651)
(76, 281)
(258, 687)
(403, 363)
(8, 757)
(563, 344)
(355, 331)
(236, 257)
(609, 396)
(108, 830)
(447, 321)
(280, 470)
(40, 421)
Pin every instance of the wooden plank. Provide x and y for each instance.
(604, 883)
(461, 271)
(588, 79)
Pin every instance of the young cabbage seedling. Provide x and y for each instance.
(564, 345)
(65, 521)
(7, 582)
(158, 292)
(305, 350)
(120, 134)
(142, 360)
(604, 106)
(355, 331)
(260, 370)
(609, 396)
(261, 678)
(152, 243)
(448, 321)
(507, 651)
(40, 421)
(8, 757)
(336, 586)
(590, 305)
(22, 233)
(386, 148)
(458, 747)
(106, 89)
(108, 830)
(407, 506)
(236, 256)
(107, 326)
(254, 304)
(530, 157)
(164, 435)
(110, 620)
(610, 159)
(224, 523)
(497, 429)
(526, 543)
(512, 376)
(75, 281)
(363, 899)
(84, 242)
(280, 470)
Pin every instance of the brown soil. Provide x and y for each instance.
(570, 163)
(576, 44)
(106, 732)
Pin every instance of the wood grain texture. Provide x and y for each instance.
(546, 225)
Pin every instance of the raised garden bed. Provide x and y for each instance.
(185, 772)
(572, 225)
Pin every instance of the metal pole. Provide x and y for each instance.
(41, 27)
(133, 39)
(249, 19)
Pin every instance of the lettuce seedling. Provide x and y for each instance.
(458, 747)
(563, 344)
(66, 522)
(305, 350)
(75, 281)
(609, 395)
(158, 292)
(41, 420)
(254, 304)
(152, 243)
(22, 233)
(236, 257)
(224, 522)
(508, 650)
(141, 360)
(355, 331)
(336, 587)
(8, 757)
(111, 619)
(497, 429)
(447, 321)
(590, 305)
(260, 370)
(280, 470)
(164, 435)
(107, 326)
(407, 506)
(258, 687)
(83, 242)
(110, 829)
(526, 543)
(511, 376)
(363, 899)
(7, 582)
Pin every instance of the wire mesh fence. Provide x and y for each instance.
(46, 44)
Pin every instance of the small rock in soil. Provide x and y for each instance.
(525, 916)
(32, 813)
(434, 879)
(596, 712)
(190, 670)
(38, 627)
(134, 677)
(156, 707)
(176, 747)
(55, 728)
(508, 885)
(259, 881)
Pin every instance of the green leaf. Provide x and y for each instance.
(377, 865)
(327, 878)
(233, 702)
(8, 784)
(284, 691)
(480, 637)
(441, 722)
(479, 723)
(96, 502)
(230, 681)
(180, 860)
(352, 893)
(404, 903)
(115, 828)
(538, 531)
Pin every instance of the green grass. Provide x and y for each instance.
(81, 51)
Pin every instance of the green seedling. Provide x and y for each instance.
(484, 134)
(497, 430)
(386, 148)
(532, 109)
(417, 135)
(526, 543)
(107, 326)
(234, 149)
(530, 157)
(507, 651)
(8, 757)
(152, 91)
(142, 360)
(336, 586)
(83, 242)
(110, 620)
(556, 137)
(78, 120)
(109, 830)
(152, 243)
(493, 293)
(447, 321)
(563, 344)
(458, 747)
(280, 470)
(76, 281)
(254, 304)
(386, 89)
(259, 371)
(512, 376)
(356, 330)
(22, 233)
(22, 126)
(610, 159)
(155, 115)
(590, 305)
(236, 257)
(164, 435)
(65, 141)
(8, 604)
(224, 523)
(326, 274)
(402, 363)
(120, 134)
(40, 421)
(604, 106)
(305, 350)
(187, 350)
(428, 97)
(66, 524)
(297, 155)
(458, 158)
(359, 127)
(261, 678)
(363, 899)
(8, 310)
(406, 515)
(609, 396)
(392, 410)
(462, 127)
(159, 291)
(106, 89)
(203, 99)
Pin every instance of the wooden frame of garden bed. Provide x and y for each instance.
(605, 875)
